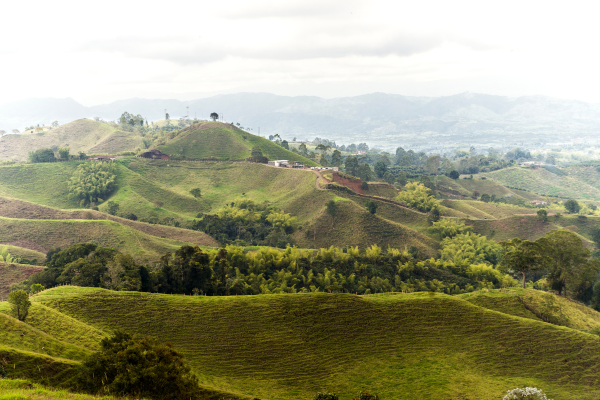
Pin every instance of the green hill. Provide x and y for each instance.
(216, 140)
(15, 273)
(83, 135)
(546, 183)
(402, 346)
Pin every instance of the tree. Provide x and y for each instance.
(257, 156)
(140, 367)
(351, 166)
(433, 164)
(36, 288)
(214, 116)
(523, 256)
(434, 216)
(572, 206)
(569, 263)
(2, 132)
(332, 207)
(54, 124)
(42, 155)
(92, 181)
(303, 149)
(371, 206)
(113, 208)
(485, 198)
(542, 215)
(453, 174)
(336, 158)
(195, 192)
(63, 153)
(19, 304)
(380, 169)
(389, 177)
(417, 196)
(449, 228)
(366, 396)
(595, 234)
(285, 145)
(15, 131)
(402, 179)
(365, 172)
(326, 396)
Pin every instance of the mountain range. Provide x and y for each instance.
(379, 119)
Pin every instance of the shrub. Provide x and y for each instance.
(525, 393)
(36, 288)
(42, 155)
(417, 196)
(140, 367)
(131, 216)
(325, 396)
(113, 208)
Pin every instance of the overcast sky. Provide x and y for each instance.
(98, 52)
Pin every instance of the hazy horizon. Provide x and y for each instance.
(297, 48)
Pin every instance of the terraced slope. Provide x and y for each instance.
(402, 347)
(82, 135)
(216, 140)
(20, 389)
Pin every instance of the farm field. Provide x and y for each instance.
(290, 346)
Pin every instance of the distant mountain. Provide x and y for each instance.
(379, 119)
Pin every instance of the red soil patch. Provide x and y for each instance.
(351, 183)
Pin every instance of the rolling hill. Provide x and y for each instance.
(406, 346)
(85, 135)
(217, 140)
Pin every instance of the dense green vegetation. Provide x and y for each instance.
(92, 182)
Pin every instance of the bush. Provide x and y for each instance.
(453, 174)
(326, 396)
(140, 367)
(42, 155)
(417, 196)
(131, 216)
(525, 393)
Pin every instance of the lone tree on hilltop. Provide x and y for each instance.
(15, 131)
(19, 303)
(2, 132)
(214, 116)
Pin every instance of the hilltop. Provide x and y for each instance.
(217, 140)
(83, 135)
(290, 346)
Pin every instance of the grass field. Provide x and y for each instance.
(20, 389)
(401, 346)
(82, 135)
(224, 142)
(42, 235)
(481, 210)
(545, 183)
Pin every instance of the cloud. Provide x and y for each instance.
(289, 9)
(196, 51)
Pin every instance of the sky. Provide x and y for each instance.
(98, 52)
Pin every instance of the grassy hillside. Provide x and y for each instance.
(19, 389)
(42, 235)
(539, 306)
(15, 273)
(406, 346)
(224, 142)
(481, 210)
(82, 135)
(546, 183)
